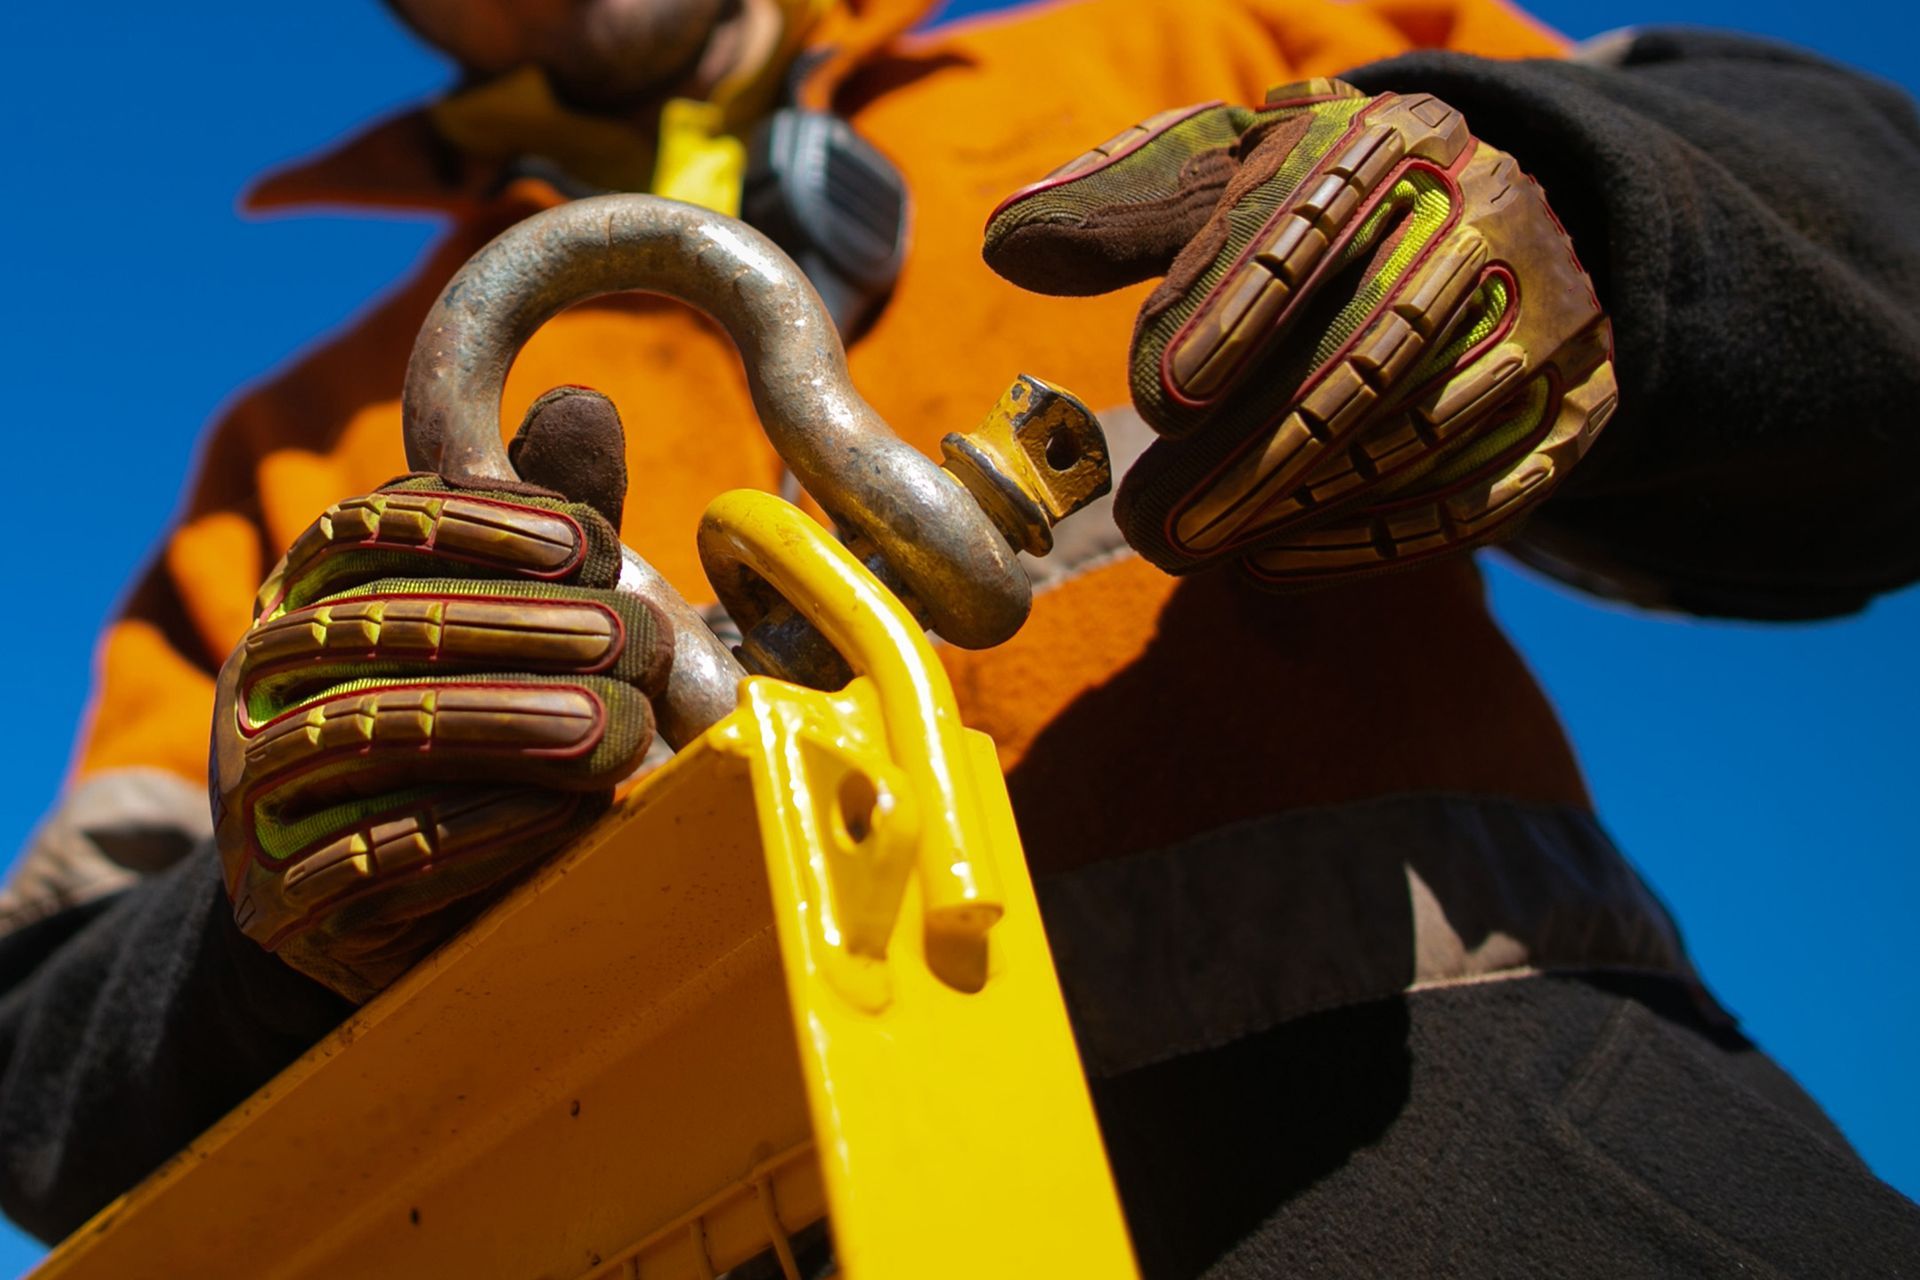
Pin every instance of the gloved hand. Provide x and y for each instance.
(440, 686)
(1373, 343)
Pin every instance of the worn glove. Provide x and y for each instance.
(440, 686)
(1373, 343)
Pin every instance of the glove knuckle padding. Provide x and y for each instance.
(463, 534)
(1380, 348)
(441, 686)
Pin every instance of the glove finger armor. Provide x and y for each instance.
(441, 687)
(1378, 347)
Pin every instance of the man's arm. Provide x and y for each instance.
(1747, 212)
(154, 986)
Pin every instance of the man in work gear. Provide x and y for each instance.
(1358, 808)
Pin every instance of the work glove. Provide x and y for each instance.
(440, 686)
(1373, 343)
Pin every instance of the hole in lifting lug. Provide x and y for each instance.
(856, 802)
(1062, 450)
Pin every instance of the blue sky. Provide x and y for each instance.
(1761, 776)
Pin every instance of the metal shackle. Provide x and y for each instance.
(930, 532)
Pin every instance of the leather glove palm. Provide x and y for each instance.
(1373, 343)
(440, 686)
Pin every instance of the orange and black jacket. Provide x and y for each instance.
(1745, 210)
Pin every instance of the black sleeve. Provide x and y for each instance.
(1751, 216)
(127, 1027)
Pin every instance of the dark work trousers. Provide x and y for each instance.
(1438, 1035)
(1534, 1126)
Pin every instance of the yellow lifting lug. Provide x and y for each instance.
(954, 1132)
(854, 815)
(1039, 457)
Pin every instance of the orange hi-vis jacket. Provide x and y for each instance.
(1134, 709)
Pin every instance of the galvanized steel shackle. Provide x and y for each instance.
(929, 531)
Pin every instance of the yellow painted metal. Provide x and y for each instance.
(642, 1063)
(699, 161)
(1037, 457)
(957, 1138)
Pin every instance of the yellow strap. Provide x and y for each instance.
(702, 159)
(699, 162)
